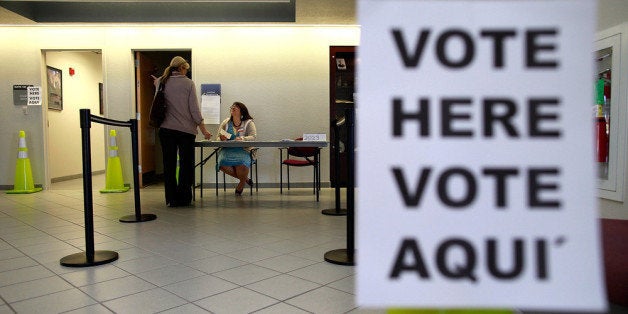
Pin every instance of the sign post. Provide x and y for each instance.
(475, 164)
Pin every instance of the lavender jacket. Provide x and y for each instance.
(183, 112)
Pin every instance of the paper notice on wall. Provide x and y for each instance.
(34, 95)
(210, 108)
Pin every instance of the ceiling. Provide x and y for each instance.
(152, 11)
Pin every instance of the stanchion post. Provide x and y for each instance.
(88, 201)
(350, 116)
(346, 256)
(138, 217)
(89, 257)
(336, 211)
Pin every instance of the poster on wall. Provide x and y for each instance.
(475, 167)
(210, 103)
(55, 88)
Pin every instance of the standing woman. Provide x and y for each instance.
(236, 161)
(178, 131)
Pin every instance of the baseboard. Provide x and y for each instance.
(74, 176)
(10, 187)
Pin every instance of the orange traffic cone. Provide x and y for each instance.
(114, 182)
(23, 183)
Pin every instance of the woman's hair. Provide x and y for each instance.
(243, 110)
(175, 63)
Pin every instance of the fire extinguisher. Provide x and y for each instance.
(601, 139)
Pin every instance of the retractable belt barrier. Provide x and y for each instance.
(91, 257)
(336, 211)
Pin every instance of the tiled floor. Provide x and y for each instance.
(226, 254)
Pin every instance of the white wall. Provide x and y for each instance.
(80, 91)
(280, 72)
(611, 13)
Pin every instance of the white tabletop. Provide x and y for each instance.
(261, 143)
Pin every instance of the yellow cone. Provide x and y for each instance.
(23, 183)
(177, 172)
(114, 182)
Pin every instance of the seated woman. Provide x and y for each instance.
(236, 161)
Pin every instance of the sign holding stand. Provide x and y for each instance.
(477, 185)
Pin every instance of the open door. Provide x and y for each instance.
(148, 64)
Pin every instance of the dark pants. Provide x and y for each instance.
(172, 141)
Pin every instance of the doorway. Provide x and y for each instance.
(342, 66)
(78, 77)
(148, 64)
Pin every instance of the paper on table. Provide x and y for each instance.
(225, 134)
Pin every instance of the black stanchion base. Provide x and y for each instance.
(143, 217)
(339, 257)
(81, 260)
(334, 212)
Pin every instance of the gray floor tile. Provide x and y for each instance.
(246, 274)
(281, 308)
(24, 275)
(33, 288)
(144, 264)
(200, 287)
(283, 287)
(169, 274)
(236, 301)
(346, 284)
(285, 263)
(216, 264)
(150, 301)
(5, 309)
(253, 254)
(117, 288)
(16, 263)
(324, 300)
(91, 309)
(323, 273)
(55, 303)
(91, 275)
(186, 309)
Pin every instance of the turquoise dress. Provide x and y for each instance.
(233, 156)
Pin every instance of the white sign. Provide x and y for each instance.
(475, 170)
(34, 96)
(210, 108)
(315, 137)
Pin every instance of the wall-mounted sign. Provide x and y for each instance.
(475, 166)
(210, 103)
(20, 95)
(34, 95)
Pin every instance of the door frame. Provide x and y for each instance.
(45, 114)
(148, 140)
(333, 50)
